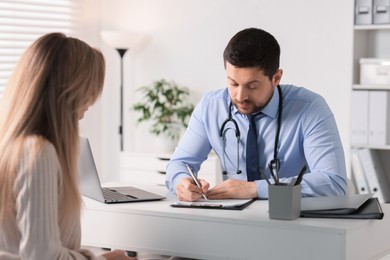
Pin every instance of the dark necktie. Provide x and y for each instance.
(252, 154)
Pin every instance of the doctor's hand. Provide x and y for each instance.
(233, 189)
(187, 190)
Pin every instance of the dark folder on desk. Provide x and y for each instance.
(358, 206)
(230, 204)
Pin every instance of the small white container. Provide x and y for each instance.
(374, 71)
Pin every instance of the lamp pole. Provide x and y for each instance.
(121, 52)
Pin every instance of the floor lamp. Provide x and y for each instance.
(121, 41)
(121, 52)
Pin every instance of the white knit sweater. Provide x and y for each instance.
(33, 232)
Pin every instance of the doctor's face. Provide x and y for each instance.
(249, 89)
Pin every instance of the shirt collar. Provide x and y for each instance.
(271, 109)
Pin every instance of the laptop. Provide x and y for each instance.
(90, 185)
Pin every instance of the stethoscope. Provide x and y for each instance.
(274, 164)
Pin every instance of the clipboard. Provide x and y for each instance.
(229, 204)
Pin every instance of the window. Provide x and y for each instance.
(23, 21)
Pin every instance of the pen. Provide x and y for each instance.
(195, 179)
(292, 182)
(299, 179)
(274, 174)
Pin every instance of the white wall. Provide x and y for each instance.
(91, 124)
(184, 41)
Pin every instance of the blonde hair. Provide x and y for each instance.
(55, 77)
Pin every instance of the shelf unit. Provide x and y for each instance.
(370, 87)
(371, 27)
(370, 41)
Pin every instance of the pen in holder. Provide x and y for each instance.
(284, 201)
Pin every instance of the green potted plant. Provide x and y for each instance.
(164, 104)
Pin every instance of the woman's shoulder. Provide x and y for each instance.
(38, 163)
(38, 144)
(38, 152)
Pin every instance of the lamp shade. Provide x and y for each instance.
(120, 39)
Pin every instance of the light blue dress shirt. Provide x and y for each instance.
(308, 135)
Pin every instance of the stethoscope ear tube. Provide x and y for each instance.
(275, 163)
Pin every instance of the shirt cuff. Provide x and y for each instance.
(262, 189)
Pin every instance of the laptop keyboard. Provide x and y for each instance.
(115, 196)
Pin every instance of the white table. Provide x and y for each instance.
(156, 227)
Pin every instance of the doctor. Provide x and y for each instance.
(293, 128)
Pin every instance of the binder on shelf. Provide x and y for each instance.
(359, 177)
(359, 117)
(381, 12)
(378, 118)
(375, 175)
(363, 12)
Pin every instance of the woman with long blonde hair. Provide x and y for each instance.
(54, 83)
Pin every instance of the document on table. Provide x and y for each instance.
(233, 204)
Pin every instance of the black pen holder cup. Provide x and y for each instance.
(284, 202)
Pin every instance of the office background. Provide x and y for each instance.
(184, 40)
